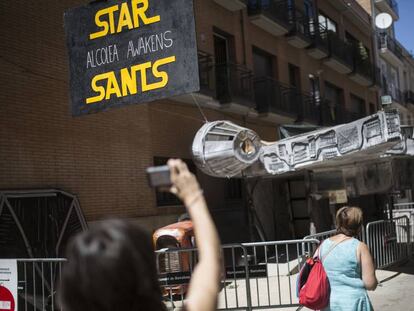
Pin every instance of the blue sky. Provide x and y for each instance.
(405, 26)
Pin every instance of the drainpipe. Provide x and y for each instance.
(375, 51)
(243, 33)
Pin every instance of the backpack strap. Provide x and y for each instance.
(331, 249)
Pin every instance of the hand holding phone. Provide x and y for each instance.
(159, 176)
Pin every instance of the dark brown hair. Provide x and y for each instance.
(349, 220)
(111, 267)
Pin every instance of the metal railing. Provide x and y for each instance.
(321, 235)
(319, 35)
(363, 66)
(272, 96)
(206, 74)
(340, 49)
(409, 97)
(334, 114)
(255, 275)
(276, 10)
(300, 23)
(327, 234)
(38, 280)
(389, 241)
(385, 42)
(234, 82)
(406, 209)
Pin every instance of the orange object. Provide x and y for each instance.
(175, 236)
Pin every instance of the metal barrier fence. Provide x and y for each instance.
(255, 275)
(327, 234)
(37, 283)
(389, 241)
(406, 209)
(321, 235)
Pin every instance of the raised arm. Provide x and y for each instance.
(367, 267)
(205, 281)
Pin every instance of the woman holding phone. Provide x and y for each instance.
(112, 265)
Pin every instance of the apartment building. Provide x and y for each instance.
(261, 64)
(394, 61)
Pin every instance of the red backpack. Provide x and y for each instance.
(313, 284)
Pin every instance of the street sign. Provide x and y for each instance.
(386, 100)
(130, 52)
(8, 285)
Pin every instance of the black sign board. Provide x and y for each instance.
(239, 272)
(130, 52)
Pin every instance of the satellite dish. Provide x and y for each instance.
(383, 20)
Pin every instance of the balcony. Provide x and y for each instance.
(319, 48)
(232, 5)
(388, 6)
(337, 114)
(206, 94)
(340, 54)
(234, 87)
(299, 36)
(409, 97)
(390, 49)
(363, 72)
(281, 103)
(270, 15)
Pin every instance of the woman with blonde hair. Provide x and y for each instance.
(349, 266)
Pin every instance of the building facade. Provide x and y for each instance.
(261, 63)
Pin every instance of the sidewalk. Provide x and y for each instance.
(396, 289)
(394, 292)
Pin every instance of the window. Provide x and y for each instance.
(358, 106)
(166, 198)
(294, 76)
(315, 88)
(334, 97)
(328, 23)
(263, 63)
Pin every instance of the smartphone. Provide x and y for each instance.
(159, 176)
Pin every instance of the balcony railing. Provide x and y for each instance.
(409, 97)
(385, 42)
(276, 10)
(300, 23)
(274, 97)
(340, 49)
(363, 65)
(319, 36)
(234, 83)
(336, 114)
(206, 74)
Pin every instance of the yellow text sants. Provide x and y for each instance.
(127, 18)
(106, 85)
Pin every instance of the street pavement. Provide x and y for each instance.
(393, 294)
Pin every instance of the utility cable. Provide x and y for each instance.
(199, 108)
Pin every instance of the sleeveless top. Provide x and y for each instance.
(344, 273)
